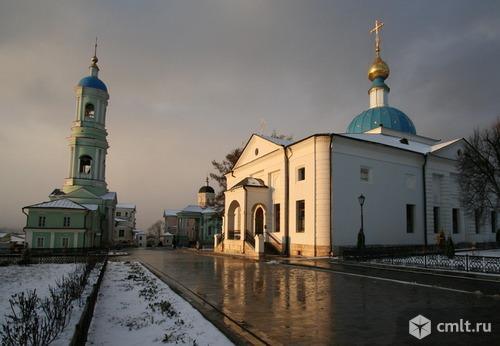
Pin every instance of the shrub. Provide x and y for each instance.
(449, 249)
(441, 240)
(35, 321)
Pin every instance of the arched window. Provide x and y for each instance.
(89, 111)
(85, 164)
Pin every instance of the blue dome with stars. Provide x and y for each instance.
(92, 82)
(388, 117)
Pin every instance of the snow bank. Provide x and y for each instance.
(136, 308)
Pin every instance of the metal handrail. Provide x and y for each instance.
(249, 238)
(275, 242)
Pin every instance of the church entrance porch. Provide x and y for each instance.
(246, 221)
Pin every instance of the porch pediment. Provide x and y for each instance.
(258, 146)
(250, 182)
(82, 193)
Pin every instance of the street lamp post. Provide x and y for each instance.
(361, 200)
(361, 235)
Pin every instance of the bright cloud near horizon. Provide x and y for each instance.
(191, 79)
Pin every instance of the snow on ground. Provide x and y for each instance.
(486, 253)
(65, 337)
(15, 279)
(136, 308)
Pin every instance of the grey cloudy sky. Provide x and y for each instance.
(190, 80)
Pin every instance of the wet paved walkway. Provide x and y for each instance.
(298, 305)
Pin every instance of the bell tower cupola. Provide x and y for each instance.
(88, 141)
(206, 195)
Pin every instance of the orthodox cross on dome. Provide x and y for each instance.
(207, 181)
(94, 69)
(376, 30)
(94, 58)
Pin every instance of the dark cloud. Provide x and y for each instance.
(191, 79)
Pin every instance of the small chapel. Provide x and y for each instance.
(81, 214)
(195, 223)
(312, 196)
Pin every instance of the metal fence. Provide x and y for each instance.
(465, 262)
(54, 256)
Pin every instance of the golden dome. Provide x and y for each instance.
(378, 69)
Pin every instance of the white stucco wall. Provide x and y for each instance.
(395, 181)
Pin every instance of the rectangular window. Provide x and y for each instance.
(121, 233)
(477, 220)
(437, 221)
(410, 218)
(493, 219)
(65, 242)
(39, 242)
(126, 213)
(41, 221)
(301, 174)
(301, 215)
(364, 174)
(455, 220)
(118, 213)
(67, 221)
(209, 230)
(277, 217)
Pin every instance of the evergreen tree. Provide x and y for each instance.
(449, 249)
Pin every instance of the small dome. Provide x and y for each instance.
(378, 69)
(92, 82)
(206, 189)
(388, 117)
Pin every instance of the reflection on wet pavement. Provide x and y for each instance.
(303, 306)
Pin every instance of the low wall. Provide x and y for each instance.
(308, 250)
(233, 246)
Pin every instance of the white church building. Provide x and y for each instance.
(301, 197)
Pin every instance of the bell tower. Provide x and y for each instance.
(88, 141)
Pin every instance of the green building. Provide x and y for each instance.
(195, 223)
(81, 214)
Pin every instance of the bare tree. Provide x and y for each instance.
(275, 134)
(155, 230)
(479, 166)
(221, 169)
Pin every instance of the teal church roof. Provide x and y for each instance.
(92, 82)
(388, 117)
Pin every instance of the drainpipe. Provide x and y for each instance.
(244, 230)
(315, 199)
(330, 192)
(24, 229)
(425, 200)
(287, 241)
(85, 227)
